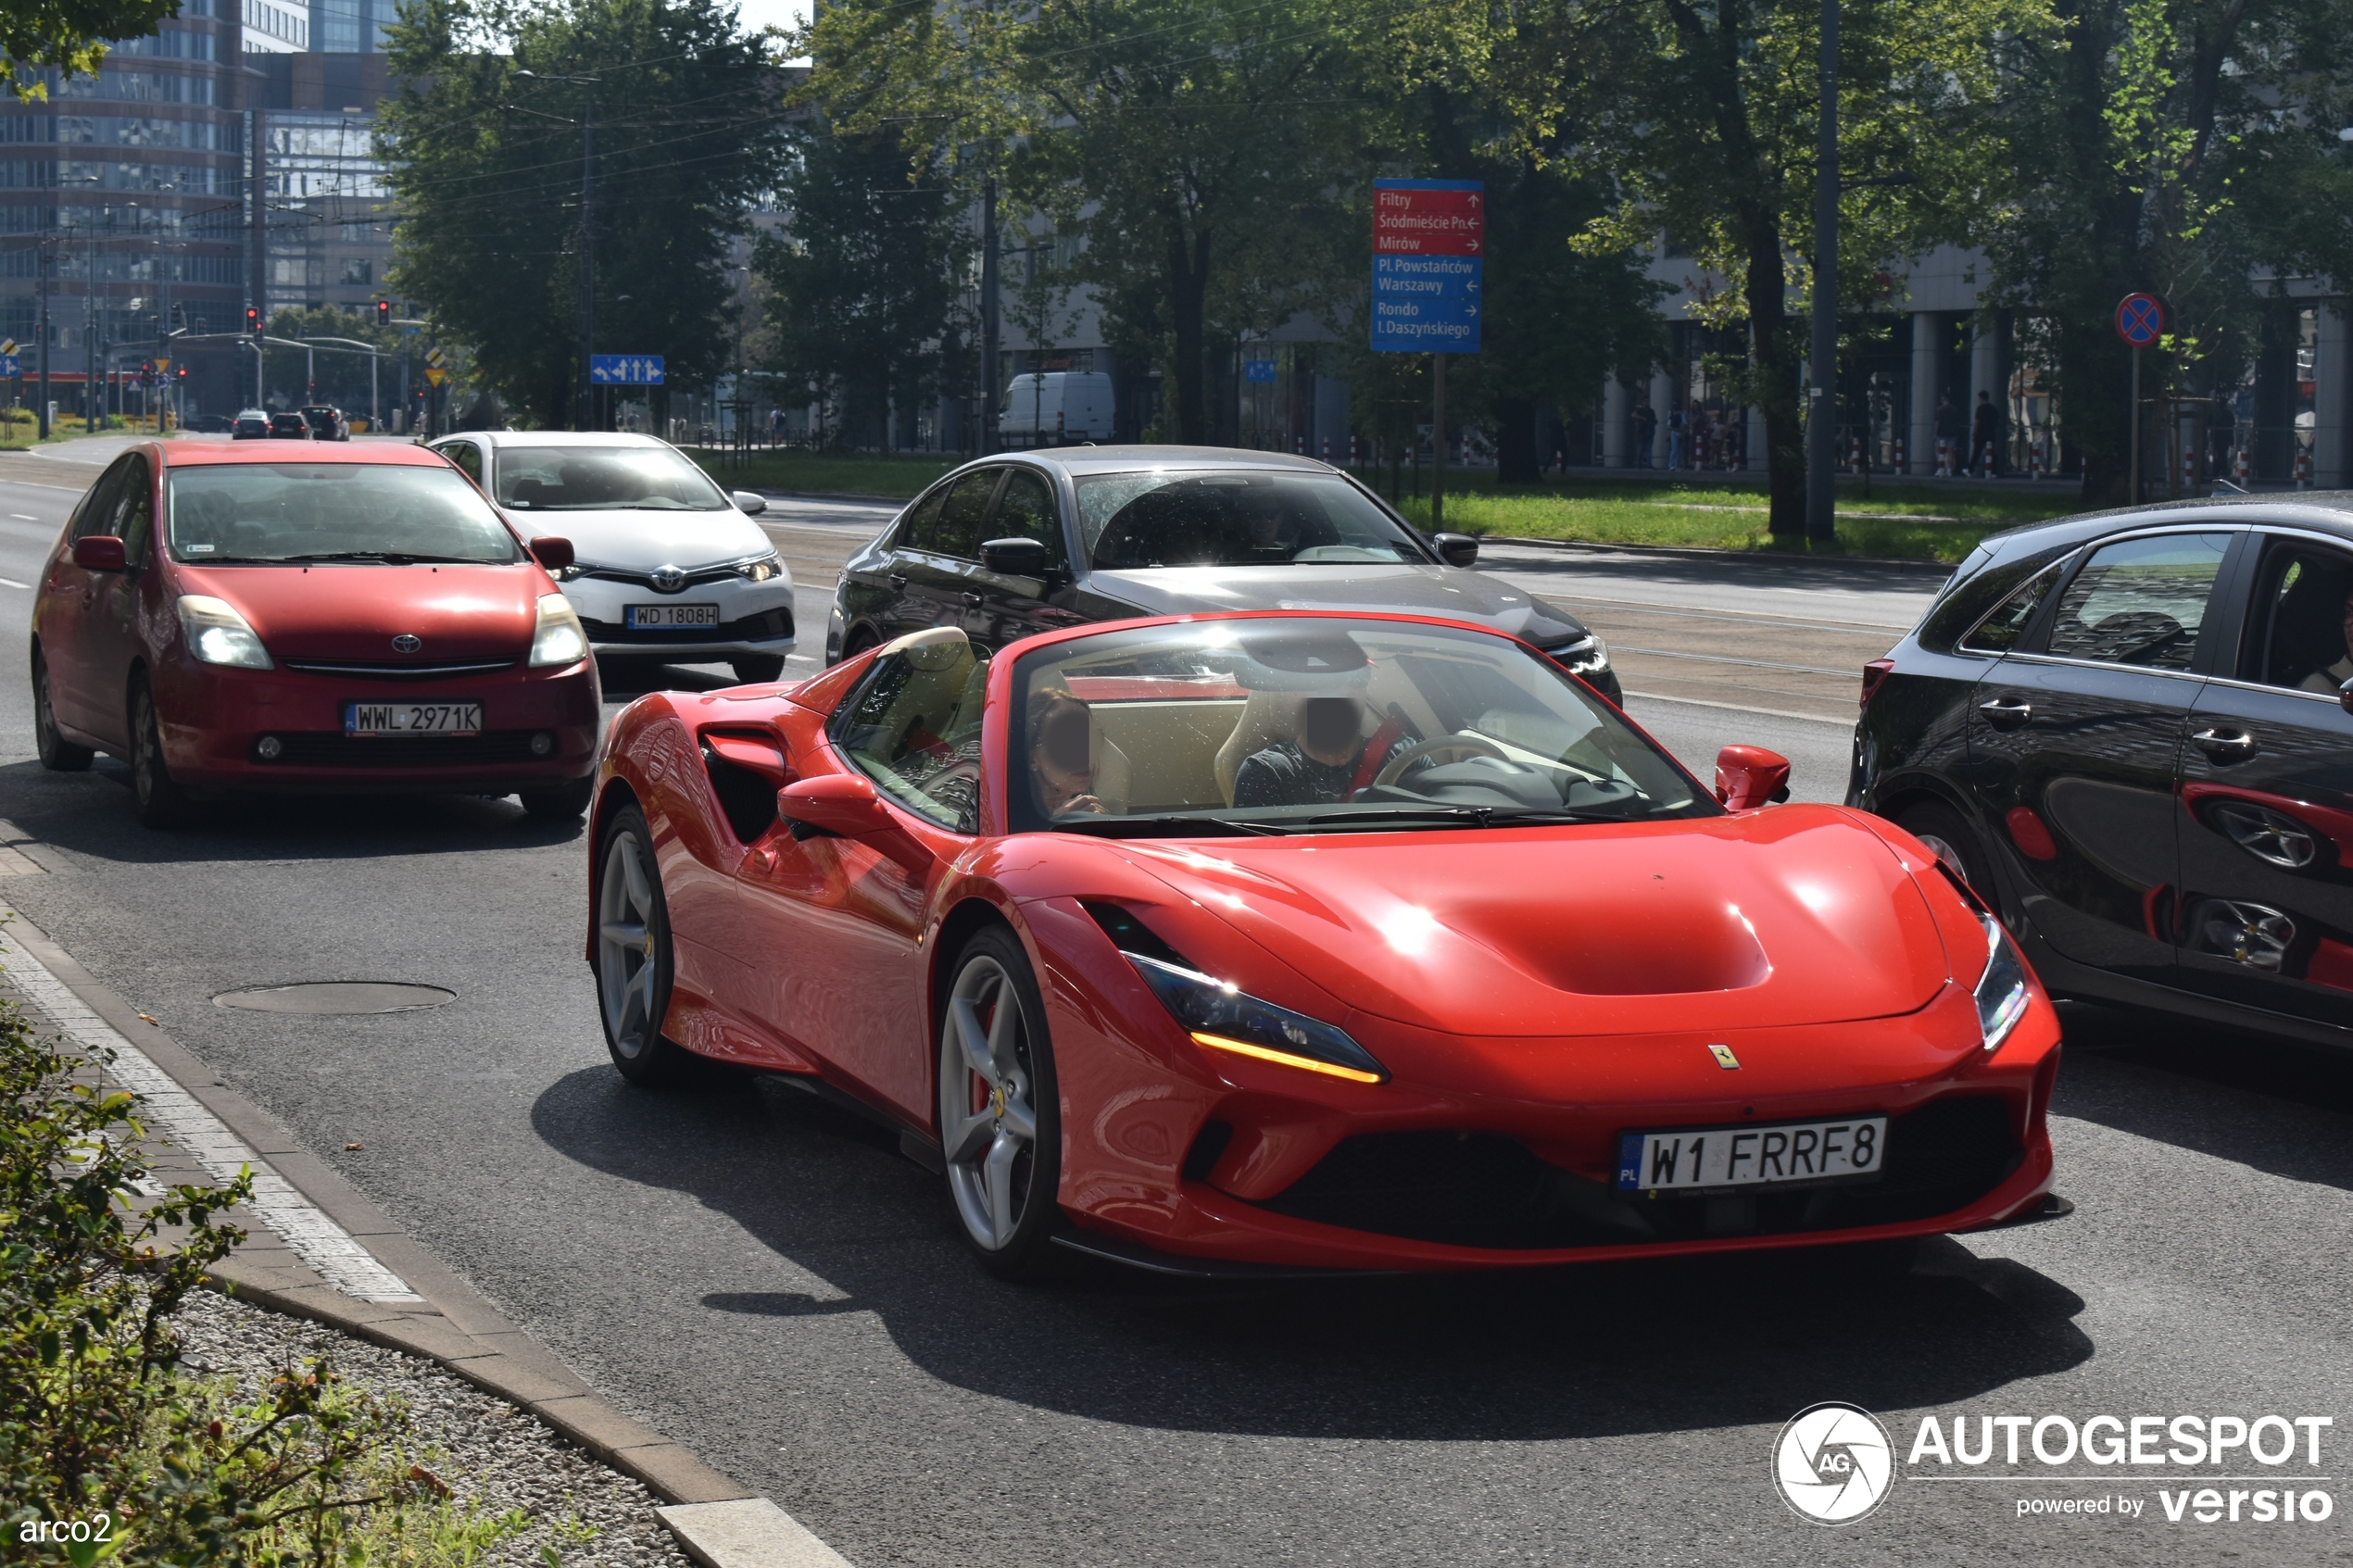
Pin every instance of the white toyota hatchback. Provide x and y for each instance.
(667, 564)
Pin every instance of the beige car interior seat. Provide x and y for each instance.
(1267, 718)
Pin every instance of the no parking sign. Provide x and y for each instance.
(2140, 320)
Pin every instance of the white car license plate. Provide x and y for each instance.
(1751, 1156)
(412, 718)
(664, 618)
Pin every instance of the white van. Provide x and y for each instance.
(1052, 406)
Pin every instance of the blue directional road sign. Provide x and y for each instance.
(625, 370)
(11, 365)
(1422, 303)
(1258, 369)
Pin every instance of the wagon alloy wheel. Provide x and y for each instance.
(58, 754)
(633, 954)
(997, 1121)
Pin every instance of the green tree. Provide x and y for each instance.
(487, 162)
(68, 36)
(1197, 149)
(2148, 148)
(862, 285)
(1701, 114)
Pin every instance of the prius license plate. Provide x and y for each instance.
(1751, 1156)
(412, 718)
(671, 617)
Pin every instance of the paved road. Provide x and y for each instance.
(763, 1278)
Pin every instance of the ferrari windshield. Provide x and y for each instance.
(266, 513)
(1290, 724)
(1245, 517)
(574, 479)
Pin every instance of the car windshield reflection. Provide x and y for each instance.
(1242, 518)
(1320, 725)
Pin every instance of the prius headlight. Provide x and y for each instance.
(558, 639)
(2001, 990)
(218, 634)
(762, 569)
(1221, 1018)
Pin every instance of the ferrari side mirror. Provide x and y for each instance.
(845, 805)
(1750, 776)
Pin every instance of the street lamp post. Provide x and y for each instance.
(588, 239)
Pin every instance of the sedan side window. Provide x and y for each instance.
(958, 532)
(915, 729)
(1027, 511)
(922, 527)
(2301, 626)
(2140, 602)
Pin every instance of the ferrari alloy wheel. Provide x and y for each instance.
(160, 800)
(999, 1124)
(58, 754)
(1941, 828)
(633, 954)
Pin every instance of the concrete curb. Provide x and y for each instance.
(1924, 567)
(456, 1327)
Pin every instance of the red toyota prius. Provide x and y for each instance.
(230, 619)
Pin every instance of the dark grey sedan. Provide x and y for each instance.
(1020, 544)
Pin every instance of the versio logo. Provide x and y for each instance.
(1834, 1462)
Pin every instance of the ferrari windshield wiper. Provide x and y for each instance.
(1168, 825)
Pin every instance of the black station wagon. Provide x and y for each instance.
(2134, 731)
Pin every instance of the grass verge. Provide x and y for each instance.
(826, 473)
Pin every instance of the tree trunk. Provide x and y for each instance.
(1516, 459)
(1188, 295)
(1772, 375)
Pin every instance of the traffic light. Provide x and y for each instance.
(253, 320)
(180, 372)
(384, 313)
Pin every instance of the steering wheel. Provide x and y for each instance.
(1453, 748)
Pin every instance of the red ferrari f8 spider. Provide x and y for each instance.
(1314, 941)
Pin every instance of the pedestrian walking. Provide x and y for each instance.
(1646, 432)
(1985, 436)
(1948, 437)
(776, 427)
(1677, 438)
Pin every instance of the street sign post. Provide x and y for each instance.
(1430, 264)
(2139, 321)
(625, 370)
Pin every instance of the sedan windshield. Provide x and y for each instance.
(271, 512)
(1247, 516)
(1321, 724)
(573, 479)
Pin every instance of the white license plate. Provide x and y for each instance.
(412, 718)
(661, 618)
(1751, 1156)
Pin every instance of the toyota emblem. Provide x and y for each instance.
(407, 642)
(668, 579)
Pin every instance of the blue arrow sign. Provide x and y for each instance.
(11, 365)
(625, 370)
(1258, 369)
(1421, 303)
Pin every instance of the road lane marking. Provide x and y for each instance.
(24, 517)
(1728, 658)
(1744, 708)
(12, 582)
(1732, 618)
(184, 1119)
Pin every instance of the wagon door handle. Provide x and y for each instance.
(2007, 712)
(2225, 745)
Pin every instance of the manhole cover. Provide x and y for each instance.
(326, 997)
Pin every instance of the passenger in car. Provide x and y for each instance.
(1324, 763)
(2331, 678)
(1062, 752)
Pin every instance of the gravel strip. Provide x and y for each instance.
(488, 1452)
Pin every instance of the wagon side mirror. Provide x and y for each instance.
(99, 552)
(1456, 549)
(551, 552)
(1750, 776)
(1015, 558)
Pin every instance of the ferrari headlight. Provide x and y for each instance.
(1221, 1018)
(1589, 655)
(558, 639)
(218, 634)
(762, 569)
(2001, 990)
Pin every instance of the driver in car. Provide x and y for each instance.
(1325, 762)
(1061, 753)
(2332, 679)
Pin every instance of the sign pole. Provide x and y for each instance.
(1437, 442)
(2136, 492)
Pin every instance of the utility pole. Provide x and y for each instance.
(1437, 442)
(988, 432)
(588, 263)
(40, 259)
(1821, 408)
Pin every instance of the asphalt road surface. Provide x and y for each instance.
(765, 1280)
